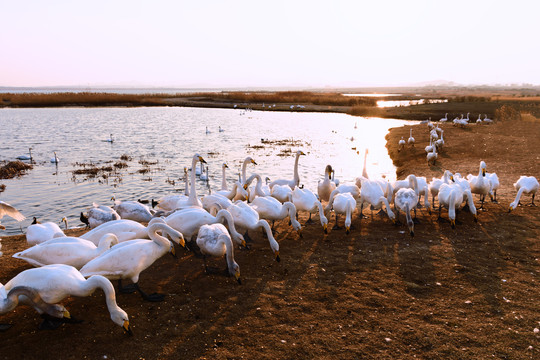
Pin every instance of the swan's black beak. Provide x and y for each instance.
(278, 259)
(126, 328)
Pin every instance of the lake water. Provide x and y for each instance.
(171, 136)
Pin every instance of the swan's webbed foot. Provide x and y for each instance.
(155, 297)
(128, 289)
(336, 227)
(52, 323)
(247, 238)
(192, 246)
(309, 221)
(415, 220)
(5, 327)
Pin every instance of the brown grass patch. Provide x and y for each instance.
(14, 169)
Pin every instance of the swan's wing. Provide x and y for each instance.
(6, 209)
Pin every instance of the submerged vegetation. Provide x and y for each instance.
(14, 169)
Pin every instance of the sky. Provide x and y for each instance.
(237, 43)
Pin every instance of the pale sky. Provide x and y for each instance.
(237, 43)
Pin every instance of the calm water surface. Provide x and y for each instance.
(171, 136)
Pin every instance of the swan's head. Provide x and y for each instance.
(234, 270)
(251, 160)
(120, 317)
(224, 166)
(347, 226)
(300, 152)
(198, 157)
(324, 223)
(84, 219)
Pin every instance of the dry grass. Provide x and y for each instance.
(14, 169)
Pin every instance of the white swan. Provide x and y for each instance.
(56, 282)
(305, 200)
(432, 156)
(66, 250)
(479, 120)
(406, 199)
(6, 209)
(494, 182)
(246, 218)
(224, 197)
(296, 178)
(10, 300)
(110, 139)
(260, 190)
(410, 140)
(342, 203)
(480, 184)
(204, 173)
(270, 208)
(55, 159)
(525, 185)
(364, 170)
(487, 120)
(451, 196)
(325, 187)
(123, 229)
(247, 160)
(401, 144)
(37, 233)
(445, 118)
(192, 199)
(214, 240)
(373, 193)
(98, 215)
(421, 185)
(224, 168)
(281, 192)
(133, 210)
(26, 157)
(436, 183)
(440, 143)
(189, 221)
(128, 259)
(430, 147)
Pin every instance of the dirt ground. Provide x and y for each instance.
(468, 293)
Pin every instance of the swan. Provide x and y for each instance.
(406, 199)
(55, 159)
(432, 156)
(364, 170)
(352, 189)
(336, 181)
(480, 184)
(451, 197)
(479, 120)
(439, 143)
(486, 120)
(260, 190)
(434, 135)
(188, 222)
(204, 173)
(132, 210)
(494, 182)
(224, 168)
(207, 131)
(192, 199)
(401, 144)
(220, 129)
(26, 157)
(110, 139)
(223, 197)
(373, 193)
(527, 185)
(98, 215)
(123, 229)
(342, 203)
(281, 192)
(270, 208)
(6, 209)
(66, 250)
(325, 187)
(445, 118)
(10, 300)
(56, 282)
(128, 259)
(305, 200)
(410, 140)
(246, 218)
(430, 147)
(436, 183)
(247, 160)
(296, 178)
(214, 240)
(421, 185)
(467, 118)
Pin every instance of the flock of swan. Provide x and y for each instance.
(130, 236)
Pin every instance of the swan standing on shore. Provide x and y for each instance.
(192, 199)
(525, 185)
(132, 210)
(296, 178)
(445, 118)
(123, 229)
(6, 209)
(342, 203)
(128, 259)
(406, 199)
(66, 250)
(436, 183)
(401, 144)
(325, 187)
(373, 194)
(451, 196)
(260, 190)
(56, 282)
(214, 240)
(410, 140)
(480, 184)
(305, 200)
(270, 208)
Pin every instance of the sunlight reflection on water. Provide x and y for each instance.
(171, 135)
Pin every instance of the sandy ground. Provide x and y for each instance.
(467, 293)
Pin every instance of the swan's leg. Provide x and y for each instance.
(336, 226)
(398, 223)
(128, 289)
(440, 217)
(192, 246)
(433, 201)
(494, 197)
(247, 238)
(415, 220)
(155, 297)
(482, 198)
(309, 221)
(532, 201)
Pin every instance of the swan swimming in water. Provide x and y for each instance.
(26, 157)
(55, 159)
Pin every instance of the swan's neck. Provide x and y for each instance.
(364, 171)
(224, 215)
(387, 204)
(273, 243)
(288, 208)
(452, 205)
(106, 242)
(414, 184)
(98, 281)
(192, 190)
(296, 176)
(161, 241)
(518, 196)
(224, 180)
(244, 166)
(470, 201)
(229, 251)
(331, 201)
